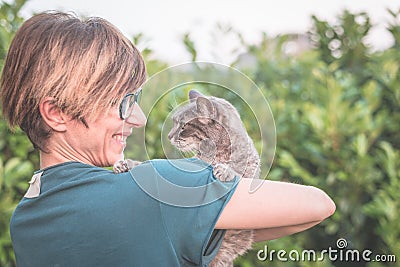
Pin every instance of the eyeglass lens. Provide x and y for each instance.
(128, 104)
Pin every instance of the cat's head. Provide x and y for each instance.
(204, 123)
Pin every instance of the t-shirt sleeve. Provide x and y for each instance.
(191, 200)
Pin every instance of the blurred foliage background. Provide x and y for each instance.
(336, 105)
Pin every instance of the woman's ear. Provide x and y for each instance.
(52, 115)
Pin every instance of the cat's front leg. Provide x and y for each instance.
(223, 172)
(125, 165)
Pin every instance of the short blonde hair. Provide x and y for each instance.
(85, 65)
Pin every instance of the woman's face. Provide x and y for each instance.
(103, 143)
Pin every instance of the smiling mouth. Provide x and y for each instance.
(120, 138)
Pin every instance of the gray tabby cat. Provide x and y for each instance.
(211, 127)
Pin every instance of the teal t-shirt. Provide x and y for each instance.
(161, 213)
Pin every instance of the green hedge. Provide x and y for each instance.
(337, 114)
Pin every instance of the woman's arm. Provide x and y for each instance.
(287, 207)
(277, 232)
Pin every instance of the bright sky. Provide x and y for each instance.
(163, 22)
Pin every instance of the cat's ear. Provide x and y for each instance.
(205, 107)
(193, 94)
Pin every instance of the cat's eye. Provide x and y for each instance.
(128, 103)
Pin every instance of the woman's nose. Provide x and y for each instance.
(137, 117)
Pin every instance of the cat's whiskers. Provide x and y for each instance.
(173, 105)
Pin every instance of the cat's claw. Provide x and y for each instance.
(223, 172)
(125, 165)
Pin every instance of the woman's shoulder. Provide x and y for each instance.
(181, 182)
(184, 172)
(184, 164)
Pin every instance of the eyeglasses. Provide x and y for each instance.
(127, 104)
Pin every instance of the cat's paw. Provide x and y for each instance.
(223, 172)
(125, 165)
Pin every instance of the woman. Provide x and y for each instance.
(71, 85)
